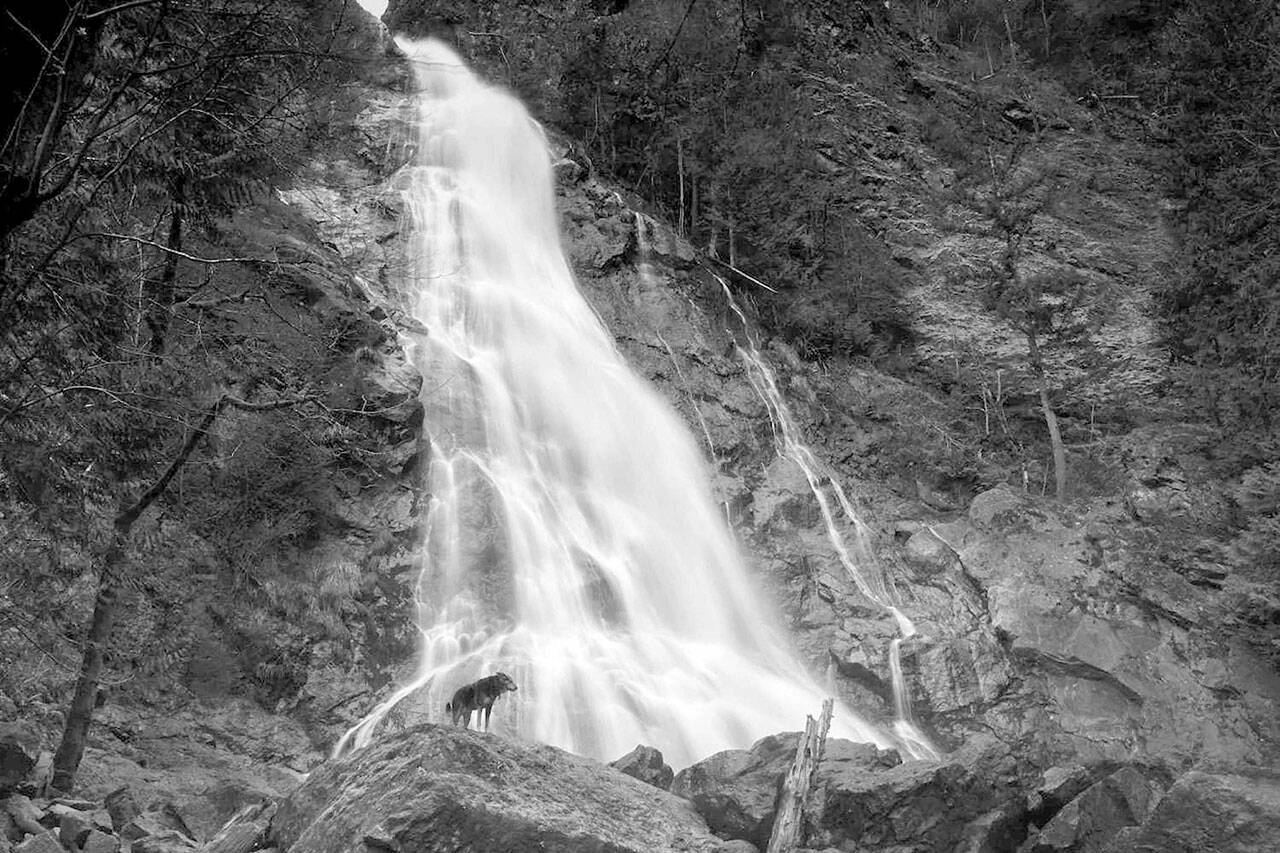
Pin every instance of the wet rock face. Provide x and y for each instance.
(441, 788)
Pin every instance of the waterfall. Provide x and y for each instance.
(572, 540)
(853, 548)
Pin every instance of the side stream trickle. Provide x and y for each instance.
(852, 541)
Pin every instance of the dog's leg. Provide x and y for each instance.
(488, 709)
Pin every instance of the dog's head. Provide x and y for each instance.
(504, 682)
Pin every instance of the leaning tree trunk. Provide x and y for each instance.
(66, 760)
(76, 731)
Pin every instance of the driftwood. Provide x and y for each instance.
(788, 825)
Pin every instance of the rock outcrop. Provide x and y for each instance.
(1210, 812)
(865, 799)
(442, 788)
(19, 752)
(646, 764)
(79, 825)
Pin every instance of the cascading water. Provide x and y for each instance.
(572, 540)
(854, 550)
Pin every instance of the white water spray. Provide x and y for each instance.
(572, 540)
(854, 550)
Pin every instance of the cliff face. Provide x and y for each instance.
(1055, 626)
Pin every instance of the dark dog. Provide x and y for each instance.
(479, 696)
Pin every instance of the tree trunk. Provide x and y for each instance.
(67, 759)
(788, 824)
(160, 292)
(1050, 420)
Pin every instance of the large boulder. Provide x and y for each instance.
(19, 751)
(735, 790)
(866, 798)
(1089, 822)
(442, 788)
(646, 764)
(920, 806)
(1203, 812)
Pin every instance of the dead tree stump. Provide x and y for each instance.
(788, 824)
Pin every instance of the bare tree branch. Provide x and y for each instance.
(113, 10)
(181, 254)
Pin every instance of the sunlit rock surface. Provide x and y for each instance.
(438, 789)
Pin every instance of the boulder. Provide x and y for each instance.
(997, 831)
(927, 552)
(865, 798)
(646, 764)
(922, 806)
(44, 842)
(122, 807)
(19, 751)
(100, 842)
(73, 826)
(1210, 812)
(996, 510)
(1090, 821)
(24, 814)
(442, 788)
(735, 790)
(143, 826)
(1058, 786)
(8, 831)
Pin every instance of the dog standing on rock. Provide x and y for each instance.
(479, 696)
